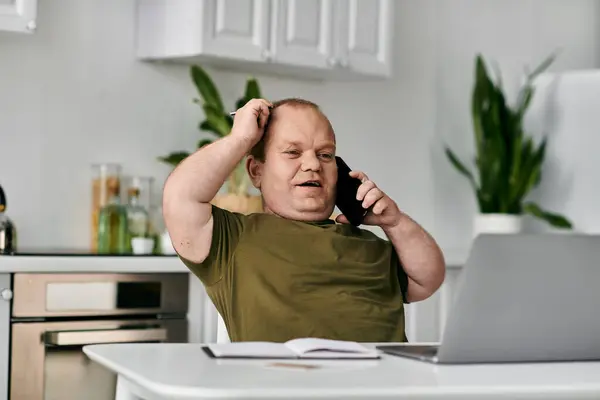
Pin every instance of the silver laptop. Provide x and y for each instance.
(522, 298)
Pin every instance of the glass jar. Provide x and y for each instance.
(106, 178)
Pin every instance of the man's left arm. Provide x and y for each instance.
(419, 254)
(420, 257)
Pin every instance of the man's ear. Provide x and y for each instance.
(254, 168)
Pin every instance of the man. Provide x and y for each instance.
(291, 271)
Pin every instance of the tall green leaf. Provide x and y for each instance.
(252, 90)
(544, 65)
(517, 160)
(535, 169)
(208, 127)
(204, 142)
(217, 120)
(174, 158)
(553, 219)
(478, 101)
(240, 103)
(207, 88)
(522, 175)
(461, 168)
(526, 96)
(489, 110)
(526, 93)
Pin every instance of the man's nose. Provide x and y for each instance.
(310, 162)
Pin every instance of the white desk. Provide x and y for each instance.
(183, 371)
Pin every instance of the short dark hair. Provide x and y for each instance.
(258, 151)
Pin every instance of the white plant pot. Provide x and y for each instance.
(166, 246)
(497, 223)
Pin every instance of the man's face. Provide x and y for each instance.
(299, 174)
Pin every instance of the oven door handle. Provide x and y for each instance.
(72, 338)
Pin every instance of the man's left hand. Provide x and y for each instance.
(384, 212)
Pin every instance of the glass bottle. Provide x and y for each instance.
(138, 219)
(104, 176)
(8, 232)
(113, 235)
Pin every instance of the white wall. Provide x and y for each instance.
(566, 111)
(73, 94)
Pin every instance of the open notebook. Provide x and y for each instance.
(304, 348)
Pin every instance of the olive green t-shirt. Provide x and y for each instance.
(274, 279)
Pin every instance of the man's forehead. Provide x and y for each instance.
(292, 123)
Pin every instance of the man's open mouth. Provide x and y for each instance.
(310, 184)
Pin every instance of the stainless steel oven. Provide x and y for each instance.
(54, 315)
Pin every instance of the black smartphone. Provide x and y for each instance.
(346, 190)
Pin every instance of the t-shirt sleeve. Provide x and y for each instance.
(227, 229)
(402, 277)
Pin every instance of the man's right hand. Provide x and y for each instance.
(197, 179)
(250, 120)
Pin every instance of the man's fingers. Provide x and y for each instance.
(262, 120)
(263, 115)
(267, 103)
(363, 189)
(379, 207)
(360, 175)
(371, 197)
(261, 109)
(342, 219)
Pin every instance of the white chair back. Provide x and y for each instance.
(222, 334)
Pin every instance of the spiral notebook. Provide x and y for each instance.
(303, 348)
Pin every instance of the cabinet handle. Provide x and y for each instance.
(6, 294)
(70, 338)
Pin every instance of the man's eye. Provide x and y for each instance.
(292, 152)
(327, 155)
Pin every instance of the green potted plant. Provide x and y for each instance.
(508, 162)
(218, 123)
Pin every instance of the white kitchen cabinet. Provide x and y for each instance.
(187, 28)
(365, 36)
(303, 33)
(18, 15)
(235, 27)
(323, 39)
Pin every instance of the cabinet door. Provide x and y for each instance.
(5, 302)
(236, 29)
(302, 32)
(18, 15)
(365, 35)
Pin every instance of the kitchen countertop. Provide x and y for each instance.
(81, 261)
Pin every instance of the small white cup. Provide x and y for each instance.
(141, 245)
(166, 245)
